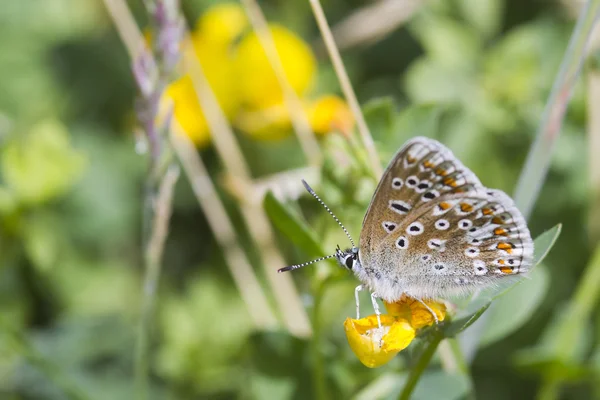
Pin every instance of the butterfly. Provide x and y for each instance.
(432, 230)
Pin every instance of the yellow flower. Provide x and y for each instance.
(330, 114)
(326, 114)
(415, 312)
(245, 84)
(257, 83)
(375, 346)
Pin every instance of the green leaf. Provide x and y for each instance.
(509, 313)
(480, 302)
(41, 165)
(292, 226)
(483, 15)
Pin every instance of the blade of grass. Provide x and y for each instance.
(292, 311)
(306, 136)
(342, 75)
(239, 266)
(540, 154)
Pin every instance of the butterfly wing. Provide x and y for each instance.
(439, 232)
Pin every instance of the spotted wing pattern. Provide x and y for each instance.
(433, 230)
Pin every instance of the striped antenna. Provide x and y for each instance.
(293, 267)
(312, 192)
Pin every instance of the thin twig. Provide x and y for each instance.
(300, 122)
(540, 154)
(373, 22)
(153, 256)
(288, 300)
(126, 27)
(593, 130)
(346, 86)
(241, 270)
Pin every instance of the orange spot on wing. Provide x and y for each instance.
(441, 172)
(444, 206)
(506, 270)
(449, 182)
(427, 164)
(497, 221)
(508, 247)
(500, 232)
(410, 159)
(487, 211)
(465, 207)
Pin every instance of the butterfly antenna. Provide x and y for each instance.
(293, 267)
(312, 192)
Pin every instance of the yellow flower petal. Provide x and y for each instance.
(330, 113)
(375, 346)
(415, 312)
(221, 24)
(256, 80)
(187, 111)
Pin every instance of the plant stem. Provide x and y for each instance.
(319, 366)
(540, 154)
(153, 256)
(342, 75)
(421, 366)
(302, 128)
(239, 266)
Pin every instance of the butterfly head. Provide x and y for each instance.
(348, 258)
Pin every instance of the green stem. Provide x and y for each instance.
(421, 366)
(463, 366)
(540, 155)
(319, 365)
(152, 257)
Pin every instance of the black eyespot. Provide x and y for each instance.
(414, 228)
(474, 240)
(411, 181)
(423, 185)
(401, 242)
(472, 229)
(465, 224)
(400, 207)
(439, 267)
(429, 195)
(479, 268)
(511, 262)
(349, 262)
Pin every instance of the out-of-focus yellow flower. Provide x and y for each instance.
(375, 346)
(245, 84)
(258, 84)
(326, 114)
(330, 114)
(415, 312)
(222, 24)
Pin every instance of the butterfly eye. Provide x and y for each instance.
(349, 262)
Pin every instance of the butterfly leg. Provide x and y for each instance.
(376, 308)
(430, 310)
(358, 289)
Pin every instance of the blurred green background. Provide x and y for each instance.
(474, 74)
